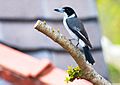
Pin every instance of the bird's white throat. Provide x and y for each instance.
(66, 16)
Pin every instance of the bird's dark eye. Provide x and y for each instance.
(67, 10)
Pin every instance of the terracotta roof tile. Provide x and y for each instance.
(22, 69)
(55, 76)
(80, 82)
(18, 61)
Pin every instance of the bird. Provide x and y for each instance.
(77, 31)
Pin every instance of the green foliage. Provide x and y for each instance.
(73, 73)
(109, 14)
(114, 73)
(44, 22)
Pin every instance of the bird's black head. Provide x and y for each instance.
(68, 10)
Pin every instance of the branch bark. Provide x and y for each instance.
(89, 73)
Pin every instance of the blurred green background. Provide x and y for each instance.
(114, 73)
(109, 16)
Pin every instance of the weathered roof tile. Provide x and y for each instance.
(22, 69)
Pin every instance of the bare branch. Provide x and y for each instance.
(89, 73)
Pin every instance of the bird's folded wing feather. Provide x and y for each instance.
(77, 27)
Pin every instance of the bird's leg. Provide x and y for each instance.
(71, 39)
(77, 43)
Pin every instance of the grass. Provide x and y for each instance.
(114, 73)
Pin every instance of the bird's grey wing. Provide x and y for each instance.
(82, 30)
(77, 27)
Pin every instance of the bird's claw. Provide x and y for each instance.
(77, 44)
(71, 39)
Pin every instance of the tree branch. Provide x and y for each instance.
(89, 73)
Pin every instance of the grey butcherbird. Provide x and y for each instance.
(76, 29)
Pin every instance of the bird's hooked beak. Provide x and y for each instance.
(59, 10)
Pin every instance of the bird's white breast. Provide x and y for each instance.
(68, 29)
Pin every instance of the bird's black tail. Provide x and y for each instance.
(88, 55)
